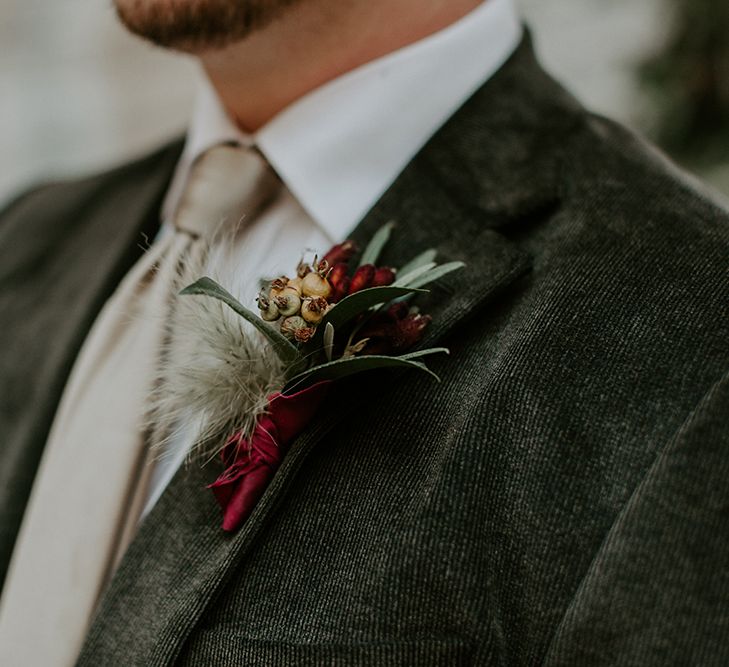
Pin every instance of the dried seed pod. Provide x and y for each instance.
(295, 284)
(269, 309)
(302, 269)
(313, 309)
(288, 302)
(316, 285)
(290, 325)
(277, 286)
(304, 334)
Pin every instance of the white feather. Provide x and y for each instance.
(216, 370)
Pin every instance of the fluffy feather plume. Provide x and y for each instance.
(216, 370)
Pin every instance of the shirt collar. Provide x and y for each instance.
(341, 146)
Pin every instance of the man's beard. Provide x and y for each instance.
(198, 25)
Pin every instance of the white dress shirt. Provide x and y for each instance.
(337, 150)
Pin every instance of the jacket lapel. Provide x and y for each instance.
(478, 176)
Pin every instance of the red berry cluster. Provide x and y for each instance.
(367, 275)
(394, 330)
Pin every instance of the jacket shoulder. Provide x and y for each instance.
(636, 189)
(60, 198)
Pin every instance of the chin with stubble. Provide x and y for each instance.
(195, 26)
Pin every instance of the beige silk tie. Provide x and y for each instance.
(93, 473)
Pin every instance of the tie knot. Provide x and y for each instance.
(226, 185)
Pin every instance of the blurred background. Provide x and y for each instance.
(78, 94)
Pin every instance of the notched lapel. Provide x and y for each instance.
(164, 579)
(181, 557)
(425, 216)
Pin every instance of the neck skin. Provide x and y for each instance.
(314, 42)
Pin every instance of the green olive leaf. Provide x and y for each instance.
(341, 368)
(435, 274)
(354, 304)
(376, 244)
(328, 340)
(416, 262)
(407, 278)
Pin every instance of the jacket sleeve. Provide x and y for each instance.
(657, 592)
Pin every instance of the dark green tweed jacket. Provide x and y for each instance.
(560, 498)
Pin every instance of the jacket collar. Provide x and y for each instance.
(494, 165)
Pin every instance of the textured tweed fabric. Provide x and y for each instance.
(560, 497)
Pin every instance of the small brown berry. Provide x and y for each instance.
(277, 285)
(290, 325)
(314, 284)
(294, 284)
(269, 309)
(304, 334)
(302, 269)
(313, 309)
(288, 302)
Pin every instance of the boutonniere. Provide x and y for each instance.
(329, 320)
